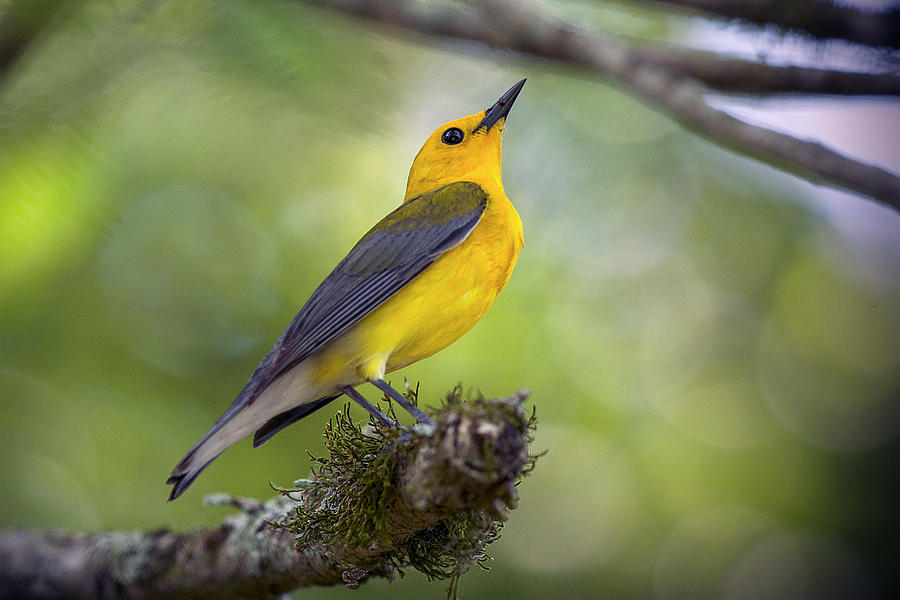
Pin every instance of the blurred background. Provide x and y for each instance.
(711, 345)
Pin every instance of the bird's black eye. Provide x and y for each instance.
(452, 136)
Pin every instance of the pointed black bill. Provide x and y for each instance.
(501, 108)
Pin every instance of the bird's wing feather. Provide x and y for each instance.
(388, 257)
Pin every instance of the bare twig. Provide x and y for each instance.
(728, 74)
(719, 72)
(517, 27)
(823, 19)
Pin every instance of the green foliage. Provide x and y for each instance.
(712, 344)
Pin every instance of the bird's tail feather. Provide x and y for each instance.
(221, 435)
(289, 417)
(230, 428)
(263, 405)
(183, 480)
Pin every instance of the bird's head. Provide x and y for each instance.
(467, 149)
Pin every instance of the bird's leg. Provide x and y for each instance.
(411, 408)
(380, 416)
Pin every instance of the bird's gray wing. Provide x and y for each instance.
(389, 256)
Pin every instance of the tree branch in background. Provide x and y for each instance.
(728, 74)
(515, 26)
(822, 19)
(429, 498)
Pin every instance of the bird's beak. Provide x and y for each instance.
(501, 108)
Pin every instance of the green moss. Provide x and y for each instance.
(430, 498)
(340, 503)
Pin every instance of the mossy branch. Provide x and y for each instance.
(430, 498)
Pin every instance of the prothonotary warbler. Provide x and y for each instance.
(417, 281)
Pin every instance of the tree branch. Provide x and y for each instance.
(426, 498)
(241, 558)
(823, 19)
(721, 73)
(514, 26)
(735, 75)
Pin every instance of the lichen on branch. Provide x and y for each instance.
(431, 497)
(383, 499)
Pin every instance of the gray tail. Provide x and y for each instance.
(231, 427)
(189, 467)
(289, 417)
(182, 481)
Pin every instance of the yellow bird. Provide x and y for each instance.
(417, 281)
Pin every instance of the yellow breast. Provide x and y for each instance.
(439, 305)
